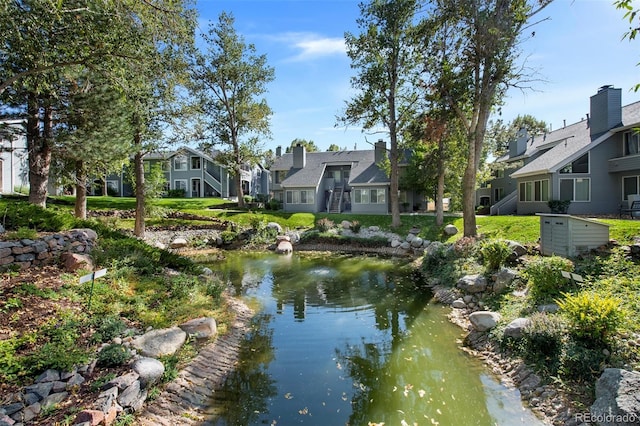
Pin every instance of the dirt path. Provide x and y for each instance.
(185, 401)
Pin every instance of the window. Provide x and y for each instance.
(581, 165)
(498, 194)
(180, 184)
(631, 142)
(629, 186)
(499, 173)
(180, 163)
(195, 163)
(537, 190)
(112, 187)
(575, 189)
(369, 196)
(300, 197)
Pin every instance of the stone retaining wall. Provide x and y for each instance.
(46, 250)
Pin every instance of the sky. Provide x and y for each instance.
(577, 48)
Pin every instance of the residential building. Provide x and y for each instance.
(14, 162)
(594, 163)
(196, 174)
(334, 181)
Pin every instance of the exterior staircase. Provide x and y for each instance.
(508, 205)
(335, 204)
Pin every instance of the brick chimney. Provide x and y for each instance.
(299, 156)
(380, 151)
(278, 151)
(606, 110)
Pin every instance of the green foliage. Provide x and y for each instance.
(494, 253)
(559, 206)
(18, 215)
(101, 381)
(355, 226)
(594, 318)
(107, 328)
(545, 277)
(581, 363)
(325, 224)
(176, 193)
(543, 341)
(228, 235)
(12, 366)
(113, 355)
(182, 286)
(247, 199)
(22, 233)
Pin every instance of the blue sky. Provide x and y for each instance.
(575, 51)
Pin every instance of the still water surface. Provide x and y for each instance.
(343, 340)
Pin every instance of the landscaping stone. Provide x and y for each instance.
(49, 376)
(160, 342)
(458, 304)
(472, 283)
(617, 398)
(150, 371)
(416, 242)
(92, 417)
(450, 230)
(516, 328)
(284, 247)
(484, 320)
(503, 279)
(274, 225)
(552, 308)
(122, 382)
(201, 328)
(74, 261)
(178, 243)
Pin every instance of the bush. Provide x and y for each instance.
(593, 318)
(559, 206)
(274, 205)
(107, 328)
(543, 340)
(494, 253)
(545, 276)
(324, 224)
(581, 363)
(356, 226)
(113, 356)
(247, 199)
(176, 193)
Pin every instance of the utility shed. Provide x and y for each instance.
(569, 236)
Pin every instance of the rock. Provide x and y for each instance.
(49, 376)
(283, 238)
(450, 230)
(156, 343)
(284, 247)
(410, 238)
(54, 399)
(395, 243)
(517, 248)
(516, 327)
(31, 412)
(122, 382)
(201, 328)
(374, 228)
(434, 247)
(177, 243)
(75, 380)
(503, 279)
(416, 242)
(617, 398)
(458, 304)
(74, 261)
(275, 226)
(12, 408)
(42, 390)
(150, 371)
(484, 320)
(133, 397)
(414, 230)
(552, 308)
(472, 283)
(4, 419)
(92, 417)
(106, 398)
(88, 233)
(345, 224)
(207, 271)
(405, 245)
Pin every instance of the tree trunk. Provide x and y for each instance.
(468, 198)
(139, 227)
(81, 190)
(39, 148)
(440, 186)
(105, 188)
(239, 188)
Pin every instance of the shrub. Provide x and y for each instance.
(545, 276)
(559, 206)
(247, 199)
(543, 340)
(113, 356)
(356, 226)
(494, 253)
(324, 224)
(107, 328)
(22, 233)
(581, 363)
(176, 193)
(274, 204)
(593, 317)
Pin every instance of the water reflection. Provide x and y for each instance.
(345, 340)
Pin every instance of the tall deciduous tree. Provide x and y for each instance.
(385, 58)
(309, 145)
(230, 80)
(482, 40)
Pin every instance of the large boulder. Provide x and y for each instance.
(472, 283)
(515, 329)
(74, 261)
(617, 398)
(178, 243)
(276, 226)
(503, 279)
(284, 247)
(201, 328)
(150, 371)
(450, 230)
(484, 320)
(156, 343)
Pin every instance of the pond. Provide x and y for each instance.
(342, 340)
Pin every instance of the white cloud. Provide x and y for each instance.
(311, 46)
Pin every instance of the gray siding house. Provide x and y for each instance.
(333, 181)
(14, 164)
(594, 164)
(195, 173)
